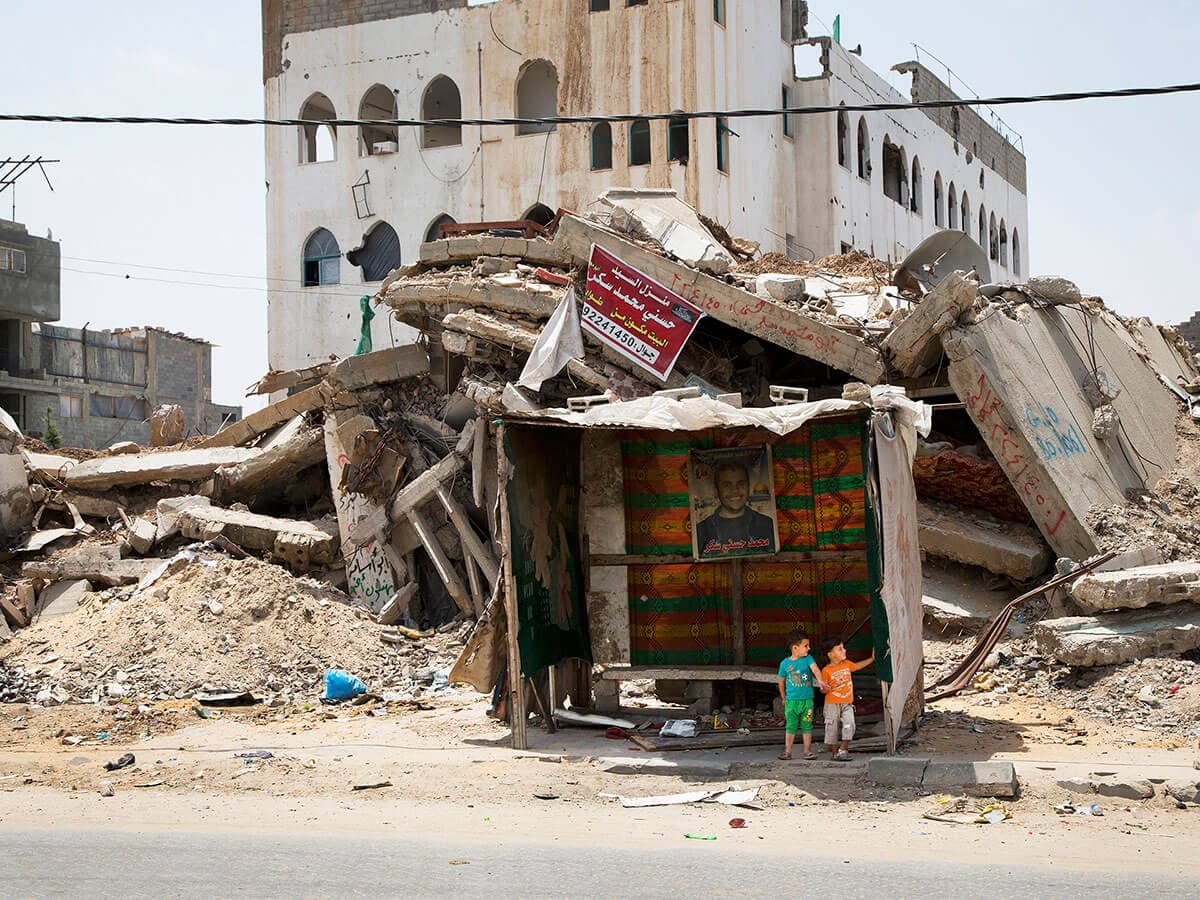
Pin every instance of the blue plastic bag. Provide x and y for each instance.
(341, 685)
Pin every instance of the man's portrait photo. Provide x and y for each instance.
(732, 503)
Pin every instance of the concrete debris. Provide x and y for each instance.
(1115, 638)
(103, 569)
(1052, 289)
(914, 346)
(103, 473)
(1138, 588)
(166, 425)
(61, 598)
(660, 216)
(301, 545)
(240, 433)
(978, 539)
(142, 536)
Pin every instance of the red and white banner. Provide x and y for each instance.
(635, 315)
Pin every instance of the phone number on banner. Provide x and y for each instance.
(619, 335)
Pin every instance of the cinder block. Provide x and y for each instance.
(976, 779)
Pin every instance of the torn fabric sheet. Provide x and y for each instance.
(560, 342)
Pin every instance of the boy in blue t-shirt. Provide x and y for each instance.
(797, 673)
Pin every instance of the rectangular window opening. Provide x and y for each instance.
(599, 6)
(678, 140)
(788, 124)
(723, 144)
(719, 11)
(70, 407)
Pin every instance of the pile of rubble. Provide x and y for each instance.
(369, 487)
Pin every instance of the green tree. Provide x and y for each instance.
(52, 438)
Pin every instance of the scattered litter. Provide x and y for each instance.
(546, 796)
(701, 837)
(256, 754)
(682, 728)
(961, 812)
(225, 698)
(150, 784)
(460, 862)
(106, 789)
(371, 787)
(737, 823)
(729, 797)
(126, 760)
(340, 685)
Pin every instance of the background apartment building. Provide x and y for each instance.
(96, 387)
(346, 205)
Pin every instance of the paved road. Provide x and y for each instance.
(95, 863)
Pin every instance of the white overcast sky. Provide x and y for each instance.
(1112, 184)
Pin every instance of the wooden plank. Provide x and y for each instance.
(753, 315)
(265, 419)
(791, 556)
(517, 714)
(441, 562)
(690, 673)
(470, 540)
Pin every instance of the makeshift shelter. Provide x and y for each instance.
(600, 563)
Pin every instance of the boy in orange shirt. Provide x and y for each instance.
(839, 700)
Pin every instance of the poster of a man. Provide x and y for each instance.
(732, 503)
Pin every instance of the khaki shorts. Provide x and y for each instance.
(839, 722)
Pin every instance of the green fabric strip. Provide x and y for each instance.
(803, 502)
(838, 484)
(823, 431)
(657, 501)
(791, 451)
(718, 656)
(846, 536)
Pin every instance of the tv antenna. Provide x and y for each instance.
(12, 169)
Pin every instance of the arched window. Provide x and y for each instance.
(434, 232)
(993, 239)
(322, 259)
(939, 208)
(952, 207)
(894, 176)
(843, 139)
(540, 213)
(983, 235)
(966, 213)
(318, 143)
(379, 253)
(915, 187)
(639, 142)
(1003, 244)
(602, 146)
(537, 96)
(377, 103)
(1016, 242)
(441, 101)
(864, 150)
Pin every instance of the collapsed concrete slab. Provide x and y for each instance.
(380, 367)
(1022, 373)
(915, 345)
(978, 539)
(1115, 638)
(301, 544)
(61, 598)
(956, 598)
(265, 419)
(412, 299)
(172, 465)
(757, 316)
(659, 214)
(96, 568)
(449, 251)
(1138, 588)
(299, 448)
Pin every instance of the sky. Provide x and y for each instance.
(1113, 188)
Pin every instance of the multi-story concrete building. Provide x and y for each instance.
(96, 387)
(345, 205)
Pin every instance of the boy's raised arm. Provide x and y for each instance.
(866, 662)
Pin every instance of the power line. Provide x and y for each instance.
(228, 287)
(624, 117)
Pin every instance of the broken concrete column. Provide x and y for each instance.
(302, 544)
(978, 539)
(915, 345)
(297, 447)
(174, 465)
(1138, 588)
(100, 565)
(166, 425)
(1115, 638)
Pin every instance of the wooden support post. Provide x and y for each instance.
(441, 562)
(516, 709)
(476, 585)
(478, 449)
(552, 690)
(471, 542)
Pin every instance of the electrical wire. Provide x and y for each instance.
(1065, 97)
(206, 284)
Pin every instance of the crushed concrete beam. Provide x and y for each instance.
(265, 419)
(397, 606)
(515, 337)
(95, 568)
(915, 345)
(754, 315)
(1138, 588)
(302, 544)
(381, 367)
(1020, 372)
(441, 562)
(437, 297)
(450, 251)
(481, 554)
(282, 380)
(102, 472)
(13, 613)
(91, 507)
(978, 539)
(1116, 638)
(48, 465)
(369, 574)
(277, 463)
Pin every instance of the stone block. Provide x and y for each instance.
(1076, 785)
(699, 690)
(1138, 588)
(781, 287)
(606, 695)
(1124, 789)
(896, 771)
(975, 779)
(142, 535)
(1185, 790)
(1115, 638)
(978, 539)
(61, 599)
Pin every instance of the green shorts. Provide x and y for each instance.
(799, 714)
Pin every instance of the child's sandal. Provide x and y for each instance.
(810, 755)
(784, 756)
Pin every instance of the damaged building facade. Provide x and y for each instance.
(347, 205)
(95, 386)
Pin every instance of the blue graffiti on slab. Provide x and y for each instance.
(1052, 439)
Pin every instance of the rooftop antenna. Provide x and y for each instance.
(12, 169)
